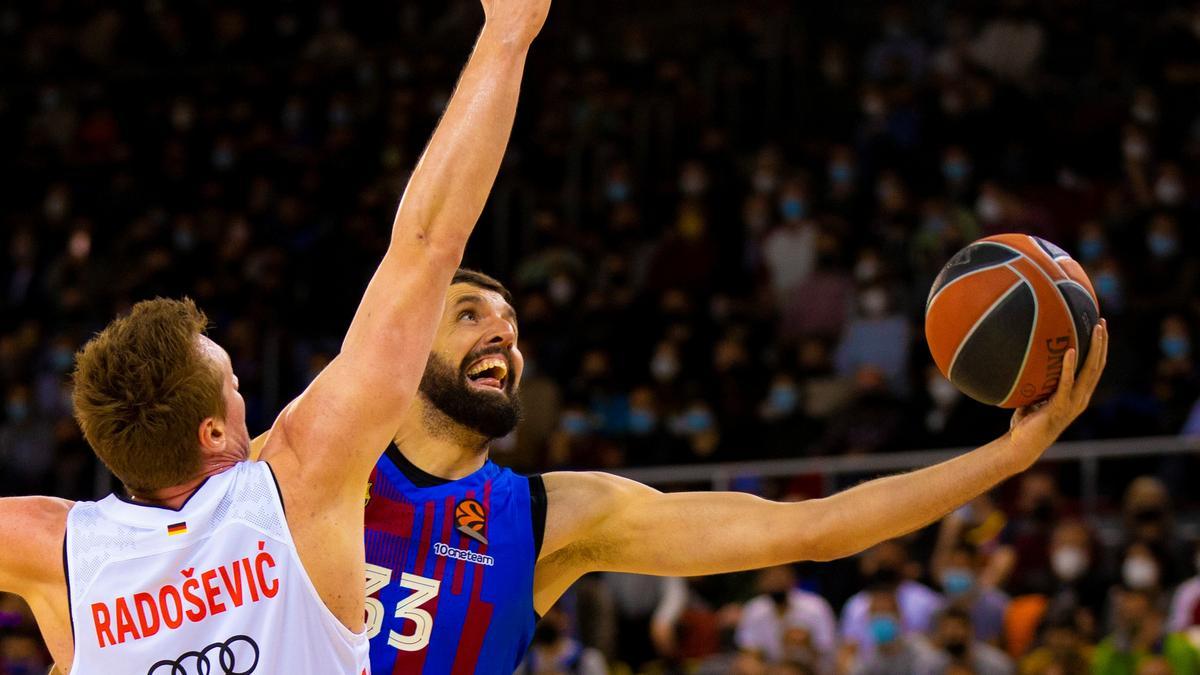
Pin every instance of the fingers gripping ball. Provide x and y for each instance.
(1002, 315)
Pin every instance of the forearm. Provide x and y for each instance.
(450, 184)
(885, 508)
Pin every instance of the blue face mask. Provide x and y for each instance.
(1174, 346)
(575, 424)
(617, 191)
(1108, 285)
(1162, 245)
(957, 582)
(793, 208)
(841, 174)
(698, 422)
(955, 170)
(885, 629)
(783, 398)
(1091, 248)
(60, 360)
(642, 422)
(17, 411)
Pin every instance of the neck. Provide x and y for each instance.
(175, 496)
(438, 445)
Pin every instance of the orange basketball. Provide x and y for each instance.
(1002, 315)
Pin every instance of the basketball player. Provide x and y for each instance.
(215, 564)
(462, 553)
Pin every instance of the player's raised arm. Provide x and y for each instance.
(340, 423)
(602, 522)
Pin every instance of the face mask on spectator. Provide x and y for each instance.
(840, 173)
(866, 269)
(782, 399)
(956, 170)
(1108, 287)
(874, 302)
(1091, 249)
(793, 208)
(693, 183)
(1145, 113)
(1139, 573)
(617, 191)
(17, 410)
(885, 629)
(698, 421)
(575, 423)
(61, 359)
(664, 367)
(1069, 562)
(1168, 191)
(1162, 245)
(1136, 150)
(989, 209)
(765, 181)
(1174, 346)
(957, 582)
(642, 422)
(561, 289)
(942, 391)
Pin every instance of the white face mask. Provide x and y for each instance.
(1069, 562)
(1139, 573)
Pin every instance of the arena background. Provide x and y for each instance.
(720, 220)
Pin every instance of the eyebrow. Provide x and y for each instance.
(508, 312)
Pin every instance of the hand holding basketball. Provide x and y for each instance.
(1034, 428)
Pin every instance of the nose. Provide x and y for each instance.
(500, 333)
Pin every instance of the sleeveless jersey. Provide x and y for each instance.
(450, 568)
(212, 588)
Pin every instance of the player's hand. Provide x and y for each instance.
(1034, 428)
(515, 21)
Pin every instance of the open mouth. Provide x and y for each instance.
(489, 372)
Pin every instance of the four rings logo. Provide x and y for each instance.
(236, 656)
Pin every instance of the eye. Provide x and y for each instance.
(467, 315)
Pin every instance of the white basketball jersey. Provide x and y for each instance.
(215, 588)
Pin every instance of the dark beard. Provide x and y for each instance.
(490, 415)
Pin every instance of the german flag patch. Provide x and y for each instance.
(177, 528)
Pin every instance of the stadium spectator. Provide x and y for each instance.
(888, 573)
(1141, 638)
(786, 624)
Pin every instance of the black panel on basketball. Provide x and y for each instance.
(1083, 313)
(991, 358)
(1052, 249)
(972, 259)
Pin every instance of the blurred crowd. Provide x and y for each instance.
(720, 219)
(1017, 585)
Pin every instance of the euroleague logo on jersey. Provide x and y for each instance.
(470, 518)
(236, 656)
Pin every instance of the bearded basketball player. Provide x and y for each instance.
(213, 563)
(463, 555)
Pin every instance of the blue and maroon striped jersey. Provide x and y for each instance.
(450, 568)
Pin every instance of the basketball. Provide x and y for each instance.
(1002, 314)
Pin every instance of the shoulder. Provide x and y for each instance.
(33, 528)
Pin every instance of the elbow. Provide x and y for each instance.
(820, 535)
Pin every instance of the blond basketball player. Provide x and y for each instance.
(214, 564)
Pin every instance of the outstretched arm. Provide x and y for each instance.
(603, 522)
(339, 425)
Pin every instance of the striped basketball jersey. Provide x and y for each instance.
(450, 568)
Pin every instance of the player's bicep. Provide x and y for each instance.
(38, 524)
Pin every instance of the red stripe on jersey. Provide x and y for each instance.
(426, 537)
(479, 613)
(391, 516)
(447, 520)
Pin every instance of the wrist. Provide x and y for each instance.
(505, 39)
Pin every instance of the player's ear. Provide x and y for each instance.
(211, 434)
